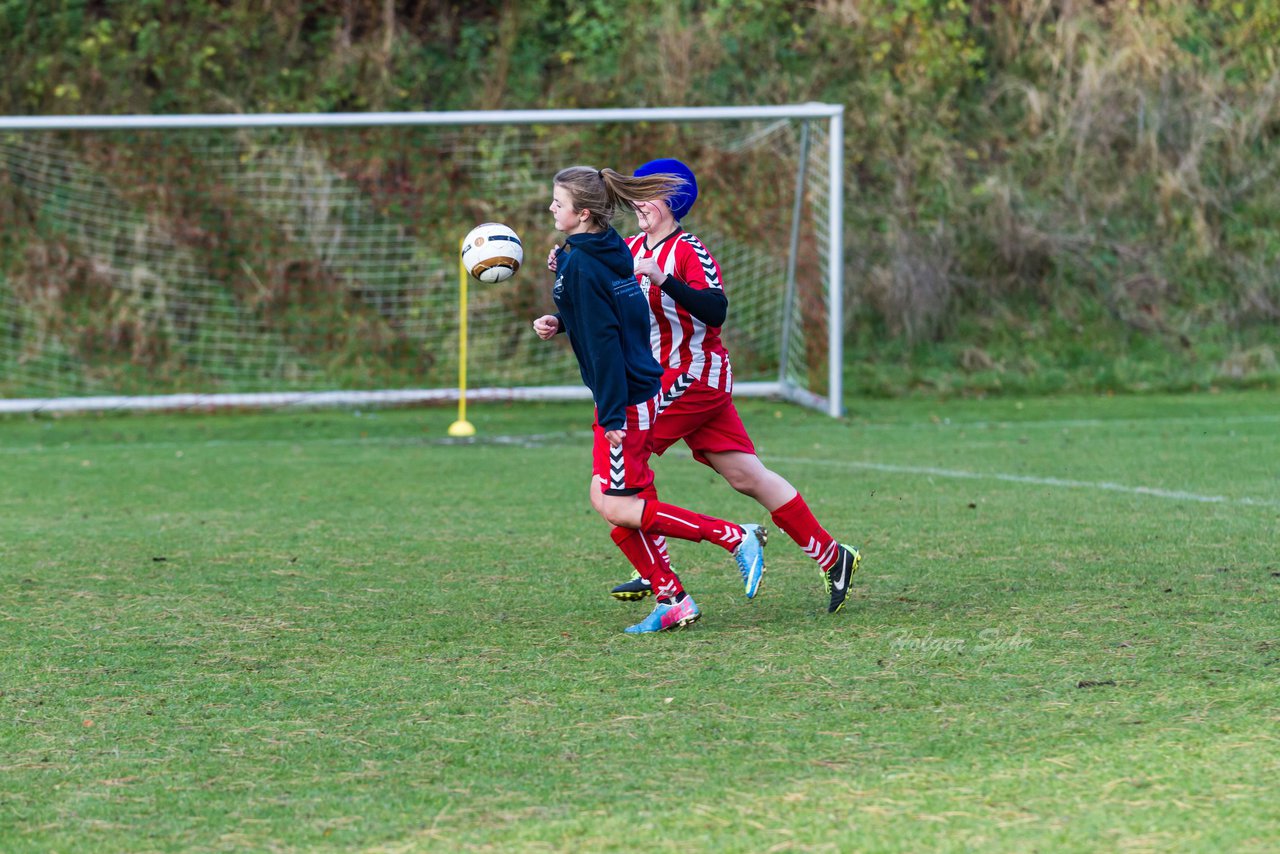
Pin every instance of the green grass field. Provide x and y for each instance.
(338, 630)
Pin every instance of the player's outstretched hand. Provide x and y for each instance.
(546, 326)
(649, 267)
(551, 257)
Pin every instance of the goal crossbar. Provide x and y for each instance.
(629, 115)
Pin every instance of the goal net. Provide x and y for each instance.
(199, 261)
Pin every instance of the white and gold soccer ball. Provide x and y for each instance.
(492, 252)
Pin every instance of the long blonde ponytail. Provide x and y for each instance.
(604, 191)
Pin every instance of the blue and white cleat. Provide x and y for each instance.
(750, 557)
(675, 615)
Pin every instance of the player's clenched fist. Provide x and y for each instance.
(649, 267)
(546, 326)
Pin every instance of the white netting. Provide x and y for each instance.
(288, 260)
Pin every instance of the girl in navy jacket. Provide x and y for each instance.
(605, 314)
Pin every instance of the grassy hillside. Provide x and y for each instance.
(1041, 195)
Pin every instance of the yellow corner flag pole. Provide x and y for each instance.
(462, 427)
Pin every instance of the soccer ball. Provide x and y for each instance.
(492, 252)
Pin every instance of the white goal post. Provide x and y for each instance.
(272, 260)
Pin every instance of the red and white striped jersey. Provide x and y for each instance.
(680, 341)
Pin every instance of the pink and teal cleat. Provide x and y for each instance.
(667, 616)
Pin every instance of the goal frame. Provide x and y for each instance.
(782, 388)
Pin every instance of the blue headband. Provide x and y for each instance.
(681, 202)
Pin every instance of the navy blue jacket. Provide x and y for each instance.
(607, 317)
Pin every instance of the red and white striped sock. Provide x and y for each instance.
(653, 566)
(798, 521)
(669, 520)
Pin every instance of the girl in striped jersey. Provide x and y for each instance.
(687, 307)
(604, 313)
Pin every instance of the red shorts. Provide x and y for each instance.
(705, 418)
(625, 470)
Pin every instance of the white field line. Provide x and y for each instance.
(945, 423)
(538, 440)
(535, 440)
(1057, 482)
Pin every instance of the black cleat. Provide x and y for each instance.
(840, 576)
(632, 590)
